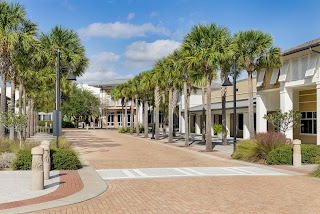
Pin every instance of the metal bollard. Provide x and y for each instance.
(46, 159)
(37, 168)
(296, 152)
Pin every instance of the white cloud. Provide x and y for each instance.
(131, 16)
(101, 67)
(153, 14)
(121, 30)
(142, 54)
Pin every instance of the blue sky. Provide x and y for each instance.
(125, 37)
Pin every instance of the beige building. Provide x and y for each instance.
(296, 86)
(111, 111)
(216, 109)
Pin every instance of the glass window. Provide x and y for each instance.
(240, 123)
(309, 122)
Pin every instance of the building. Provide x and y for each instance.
(216, 109)
(111, 111)
(296, 86)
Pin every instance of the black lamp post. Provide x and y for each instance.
(56, 113)
(228, 83)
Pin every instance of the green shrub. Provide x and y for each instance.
(62, 143)
(24, 160)
(124, 130)
(310, 154)
(5, 146)
(246, 150)
(65, 159)
(43, 123)
(280, 155)
(268, 141)
(217, 128)
(67, 124)
(316, 173)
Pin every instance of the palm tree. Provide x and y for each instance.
(254, 50)
(146, 85)
(135, 95)
(205, 44)
(11, 17)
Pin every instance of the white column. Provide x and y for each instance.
(246, 133)
(318, 113)
(181, 123)
(228, 123)
(261, 110)
(198, 125)
(286, 104)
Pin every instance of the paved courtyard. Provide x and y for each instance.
(266, 190)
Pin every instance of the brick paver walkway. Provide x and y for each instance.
(106, 149)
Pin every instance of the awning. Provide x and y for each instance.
(284, 71)
(311, 65)
(261, 77)
(274, 77)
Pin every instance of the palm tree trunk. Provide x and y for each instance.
(203, 124)
(164, 112)
(156, 112)
(208, 115)
(137, 113)
(186, 113)
(170, 138)
(145, 120)
(29, 119)
(24, 109)
(250, 107)
(13, 104)
(3, 103)
(131, 116)
(20, 98)
(125, 114)
(32, 118)
(224, 115)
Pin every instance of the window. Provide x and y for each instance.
(274, 77)
(261, 77)
(284, 71)
(309, 122)
(311, 65)
(240, 121)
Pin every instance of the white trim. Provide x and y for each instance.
(311, 65)
(261, 77)
(284, 71)
(274, 76)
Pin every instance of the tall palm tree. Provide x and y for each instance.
(146, 85)
(11, 17)
(254, 49)
(205, 44)
(135, 93)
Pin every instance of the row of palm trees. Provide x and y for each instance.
(206, 51)
(28, 61)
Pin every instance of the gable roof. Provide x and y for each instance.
(305, 46)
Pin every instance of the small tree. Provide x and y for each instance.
(282, 121)
(18, 122)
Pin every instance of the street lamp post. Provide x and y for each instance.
(56, 113)
(228, 83)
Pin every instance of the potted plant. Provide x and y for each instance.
(217, 130)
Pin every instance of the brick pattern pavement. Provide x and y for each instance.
(225, 194)
(70, 183)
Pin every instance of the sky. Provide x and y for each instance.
(125, 37)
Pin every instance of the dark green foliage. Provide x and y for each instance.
(65, 159)
(268, 141)
(310, 154)
(24, 160)
(67, 124)
(43, 123)
(246, 150)
(280, 156)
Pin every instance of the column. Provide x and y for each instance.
(228, 123)
(246, 133)
(261, 110)
(286, 104)
(198, 123)
(182, 127)
(318, 113)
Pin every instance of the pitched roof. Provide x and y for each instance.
(110, 83)
(305, 46)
